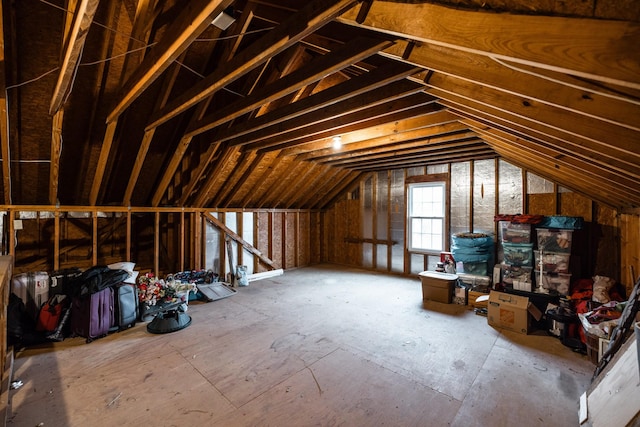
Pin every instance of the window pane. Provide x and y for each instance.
(426, 211)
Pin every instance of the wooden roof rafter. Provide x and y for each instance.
(355, 50)
(182, 32)
(75, 36)
(555, 89)
(530, 40)
(559, 155)
(308, 19)
(4, 116)
(331, 101)
(416, 146)
(624, 163)
(379, 109)
(396, 109)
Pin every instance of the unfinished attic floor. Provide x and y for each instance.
(318, 346)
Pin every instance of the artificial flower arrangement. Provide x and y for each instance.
(152, 290)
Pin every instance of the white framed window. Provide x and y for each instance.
(426, 216)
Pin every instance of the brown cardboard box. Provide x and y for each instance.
(473, 295)
(511, 312)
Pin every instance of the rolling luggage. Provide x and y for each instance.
(61, 279)
(33, 290)
(92, 315)
(126, 306)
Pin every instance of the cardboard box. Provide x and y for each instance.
(461, 294)
(473, 296)
(437, 286)
(511, 312)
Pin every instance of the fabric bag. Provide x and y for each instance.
(51, 313)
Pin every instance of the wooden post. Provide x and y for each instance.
(12, 234)
(198, 241)
(129, 234)
(240, 225)
(256, 230)
(94, 216)
(182, 240)
(296, 238)
(156, 243)
(56, 240)
(374, 220)
(389, 207)
(284, 240)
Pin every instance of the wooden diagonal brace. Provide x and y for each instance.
(248, 246)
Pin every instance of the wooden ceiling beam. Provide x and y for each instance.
(418, 145)
(440, 151)
(74, 39)
(353, 51)
(597, 49)
(568, 176)
(361, 143)
(486, 153)
(204, 193)
(266, 178)
(312, 16)
(288, 179)
(319, 137)
(607, 135)
(194, 19)
(169, 81)
(555, 89)
(4, 107)
(335, 98)
(324, 179)
(340, 187)
(185, 141)
(559, 158)
(580, 147)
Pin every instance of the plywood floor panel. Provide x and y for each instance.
(345, 388)
(523, 382)
(323, 345)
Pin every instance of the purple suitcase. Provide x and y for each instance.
(92, 316)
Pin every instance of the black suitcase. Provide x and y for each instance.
(126, 306)
(60, 280)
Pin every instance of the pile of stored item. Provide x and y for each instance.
(473, 253)
(45, 307)
(532, 287)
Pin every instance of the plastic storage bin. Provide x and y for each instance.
(558, 241)
(518, 253)
(514, 233)
(437, 286)
(475, 282)
(552, 262)
(518, 277)
(558, 282)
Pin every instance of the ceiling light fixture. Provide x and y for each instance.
(337, 142)
(225, 19)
